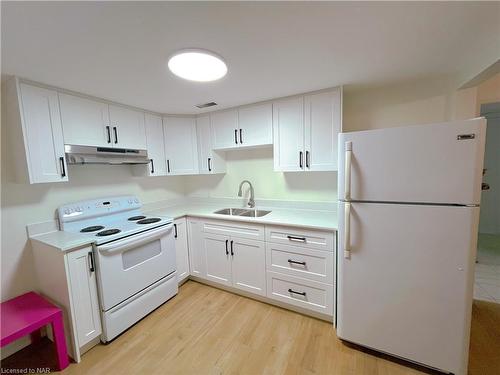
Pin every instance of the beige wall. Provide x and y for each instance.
(403, 105)
(257, 166)
(488, 92)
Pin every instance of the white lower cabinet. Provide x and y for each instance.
(69, 280)
(315, 265)
(291, 267)
(217, 258)
(83, 290)
(236, 262)
(181, 249)
(299, 292)
(197, 263)
(248, 265)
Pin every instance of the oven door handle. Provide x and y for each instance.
(134, 240)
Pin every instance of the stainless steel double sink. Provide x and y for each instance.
(244, 212)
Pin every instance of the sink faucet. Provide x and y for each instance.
(251, 200)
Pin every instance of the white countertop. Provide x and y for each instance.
(63, 241)
(312, 219)
(306, 218)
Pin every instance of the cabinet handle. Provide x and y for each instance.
(209, 164)
(307, 159)
(116, 134)
(91, 259)
(232, 252)
(108, 130)
(301, 159)
(296, 239)
(152, 165)
(295, 292)
(236, 136)
(175, 230)
(296, 262)
(63, 168)
(241, 137)
(168, 166)
(227, 251)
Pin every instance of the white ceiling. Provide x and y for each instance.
(119, 51)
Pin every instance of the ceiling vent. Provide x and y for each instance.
(206, 105)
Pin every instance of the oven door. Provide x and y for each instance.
(127, 266)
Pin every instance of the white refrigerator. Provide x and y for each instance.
(408, 217)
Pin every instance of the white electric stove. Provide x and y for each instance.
(134, 257)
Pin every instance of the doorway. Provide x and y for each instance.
(487, 285)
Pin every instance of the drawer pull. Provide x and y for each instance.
(296, 262)
(296, 239)
(295, 292)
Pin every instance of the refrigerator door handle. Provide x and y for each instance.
(347, 170)
(347, 230)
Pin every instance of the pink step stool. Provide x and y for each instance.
(28, 313)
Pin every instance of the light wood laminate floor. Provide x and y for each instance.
(204, 330)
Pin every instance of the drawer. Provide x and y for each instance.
(299, 292)
(315, 265)
(312, 239)
(231, 228)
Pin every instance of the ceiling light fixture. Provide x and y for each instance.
(197, 65)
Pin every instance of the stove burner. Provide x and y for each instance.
(135, 218)
(92, 228)
(149, 220)
(108, 232)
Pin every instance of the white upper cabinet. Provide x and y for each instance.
(155, 146)
(245, 127)
(127, 127)
(41, 132)
(288, 128)
(322, 126)
(305, 132)
(224, 129)
(88, 122)
(85, 122)
(255, 125)
(209, 161)
(181, 148)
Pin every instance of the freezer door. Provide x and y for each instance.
(437, 163)
(405, 287)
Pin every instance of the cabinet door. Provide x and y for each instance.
(209, 161)
(196, 254)
(43, 135)
(156, 148)
(256, 125)
(248, 265)
(181, 148)
(84, 295)
(217, 258)
(127, 125)
(204, 140)
(225, 129)
(85, 122)
(322, 126)
(288, 132)
(181, 249)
